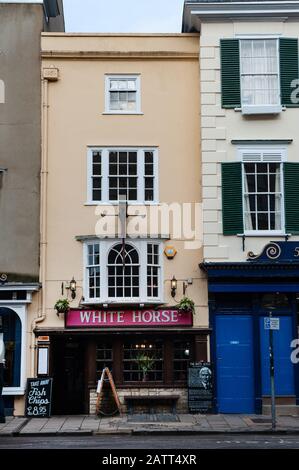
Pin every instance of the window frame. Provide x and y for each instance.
(141, 247)
(283, 157)
(104, 151)
(108, 78)
(21, 312)
(260, 109)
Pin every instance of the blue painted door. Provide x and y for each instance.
(283, 367)
(235, 370)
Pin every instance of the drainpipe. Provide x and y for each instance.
(41, 316)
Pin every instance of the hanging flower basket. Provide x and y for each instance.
(186, 305)
(62, 306)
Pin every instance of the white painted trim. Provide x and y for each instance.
(123, 113)
(21, 311)
(246, 11)
(105, 247)
(105, 174)
(108, 78)
(20, 287)
(260, 149)
(276, 109)
(258, 36)
(263, 233)
(262, 109)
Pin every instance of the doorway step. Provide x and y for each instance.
(285, 406)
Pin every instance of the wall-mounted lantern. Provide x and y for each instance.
(174, 286)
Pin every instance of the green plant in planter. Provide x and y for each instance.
(62, 306)
(145, 363)
(186, 305)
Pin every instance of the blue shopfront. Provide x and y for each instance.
(241, 296)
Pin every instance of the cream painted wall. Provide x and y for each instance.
(220, 126)
(170, 105)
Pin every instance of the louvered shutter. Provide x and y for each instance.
(291, 197)
(289, 70)
(230, 73)
(232, 200)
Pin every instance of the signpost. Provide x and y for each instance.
(272, 324)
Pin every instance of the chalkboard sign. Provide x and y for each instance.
(200, 387)
(38, 398)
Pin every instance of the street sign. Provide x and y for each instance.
(271, 323)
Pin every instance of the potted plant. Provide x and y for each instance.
(186, 305)
(145, 363)
(62, 306)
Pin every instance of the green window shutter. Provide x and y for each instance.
(288, 58)
(232, 198)
(230, 73)
(291, 197)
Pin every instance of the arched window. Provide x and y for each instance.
(12, 329)
(123, 272)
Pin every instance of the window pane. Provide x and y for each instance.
(183, 352)
(131, 106)
(113, 85)
(132, 96)
(153, 270)
(104, 357)
(97, 195)
(114, 96)
(131, 84)
(263, 222)
(144, 351)
(122, 84)
(251, 184)
(133, 157)
(262, 183)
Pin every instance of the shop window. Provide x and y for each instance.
(143, 361)
(12, 339)
(182, 354)
(104, 357)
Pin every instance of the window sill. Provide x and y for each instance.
(120, 302)
(13, 391)
(107, 203)
(263, 234)
(252, 110)
(123, 113)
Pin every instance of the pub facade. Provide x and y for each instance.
(120, 197)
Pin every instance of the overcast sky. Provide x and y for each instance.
(121, 16)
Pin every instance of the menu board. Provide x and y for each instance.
(200, 387)
(38, 398)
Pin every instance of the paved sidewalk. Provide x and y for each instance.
(147, 424)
